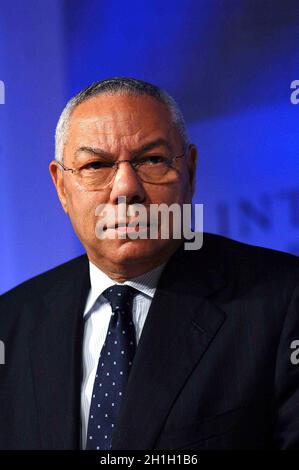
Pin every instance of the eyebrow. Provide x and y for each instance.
(144, 148)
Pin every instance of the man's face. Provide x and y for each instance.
(119, 126)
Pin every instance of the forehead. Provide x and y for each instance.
(120, 119)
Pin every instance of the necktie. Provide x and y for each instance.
(113, 369)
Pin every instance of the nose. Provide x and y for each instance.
(127, 184)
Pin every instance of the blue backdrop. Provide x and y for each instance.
(229, 64)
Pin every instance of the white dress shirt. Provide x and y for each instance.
(97, 315)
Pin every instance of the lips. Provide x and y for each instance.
(132, 224)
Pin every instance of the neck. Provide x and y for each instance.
(121, 272)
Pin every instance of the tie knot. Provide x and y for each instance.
(120, 297)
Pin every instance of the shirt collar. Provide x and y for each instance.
(99, 281)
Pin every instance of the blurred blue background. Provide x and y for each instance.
(229, 64)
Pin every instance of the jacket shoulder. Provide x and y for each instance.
(236, 250)
(243, 261)
(42, 283)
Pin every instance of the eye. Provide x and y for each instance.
(153, 160)
(97, 165)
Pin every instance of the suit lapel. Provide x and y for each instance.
(180, 326)
(56, 357)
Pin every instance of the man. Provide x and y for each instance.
(199, 354)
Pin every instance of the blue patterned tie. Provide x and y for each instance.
(113, 368)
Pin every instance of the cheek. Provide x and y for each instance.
(174, 193)
(82, 207)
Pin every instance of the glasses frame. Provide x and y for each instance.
(115, 166)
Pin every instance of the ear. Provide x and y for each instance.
(58, 180)
(192, 159)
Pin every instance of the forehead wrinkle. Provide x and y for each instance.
(113, 131)
(109, 125)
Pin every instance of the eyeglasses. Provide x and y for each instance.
(99, 174)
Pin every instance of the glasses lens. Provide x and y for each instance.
(94, 179)
(156, 170)
(153, 169)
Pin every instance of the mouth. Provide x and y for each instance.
(130, 227)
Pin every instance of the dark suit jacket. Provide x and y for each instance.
(212, 369)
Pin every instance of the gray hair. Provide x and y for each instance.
(117, 86)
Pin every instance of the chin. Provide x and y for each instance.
(135, 251)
